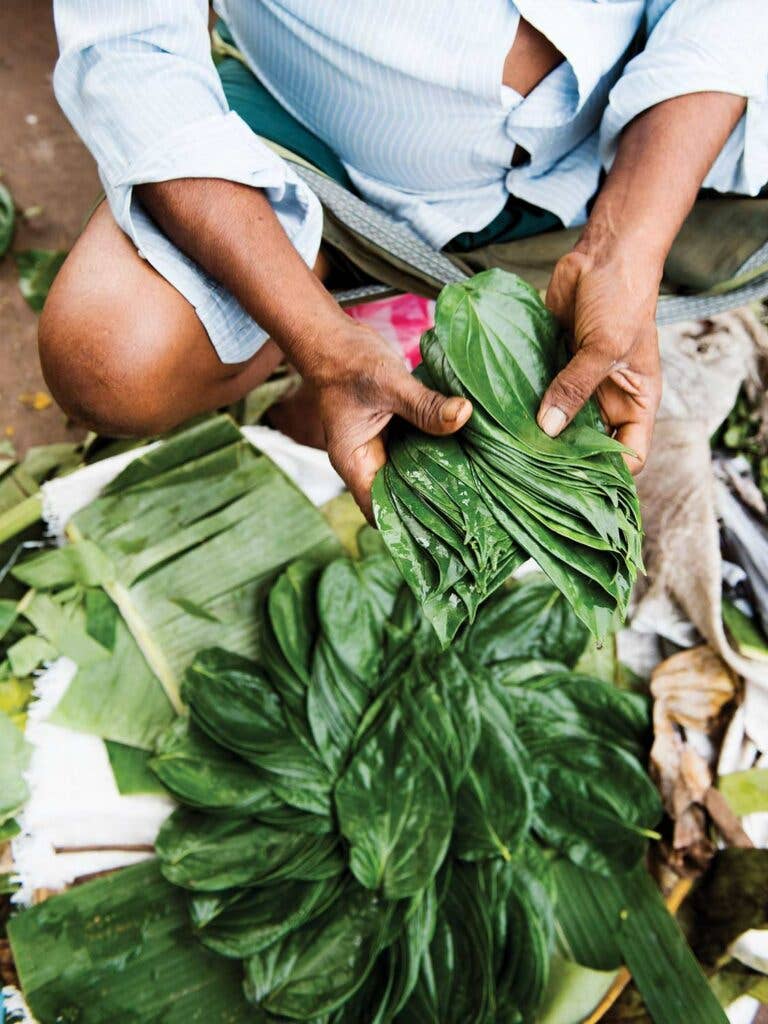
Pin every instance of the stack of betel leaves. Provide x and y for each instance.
(373, 825)
(459, 514)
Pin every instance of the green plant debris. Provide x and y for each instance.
(37, 268)
(459, 514)
(746, 792)
(7, 220)
(13, 763)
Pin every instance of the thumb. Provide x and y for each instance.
(571, 388)
(429, 410)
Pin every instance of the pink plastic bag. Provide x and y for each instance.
(402, 319)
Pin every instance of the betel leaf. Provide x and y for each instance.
(208, 853)
(394, 811)
(459, 514)
(242, 923)
(494, 806)
(396, 864)
(37, 269)
(529, 621)
(202, 774)
(317, 967)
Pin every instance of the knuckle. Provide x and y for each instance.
(427, 406)
(570, 392)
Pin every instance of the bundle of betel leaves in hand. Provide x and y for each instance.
(459, 514)
(372, 824)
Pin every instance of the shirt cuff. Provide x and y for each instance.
(224, 147)
(678, 68)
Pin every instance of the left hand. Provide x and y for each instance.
(608, 303)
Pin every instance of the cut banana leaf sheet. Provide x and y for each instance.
(202, 498)
(605, 922)
(459, 514)
(121, 948)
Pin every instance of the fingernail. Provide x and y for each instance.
(452, 409)
(553, 421)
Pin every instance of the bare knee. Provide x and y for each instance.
(99, 372)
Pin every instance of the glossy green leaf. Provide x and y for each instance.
(209, 852)
(529, 621)
(202, 774)
(394, 811)
(233, 702)
(242, 923)
(494, 807)
(459, 514)
(317, 967)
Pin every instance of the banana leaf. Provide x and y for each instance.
(459, 514)
(622, 919)
(202, 498)
(121, 948)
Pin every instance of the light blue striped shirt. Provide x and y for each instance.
(408, 94)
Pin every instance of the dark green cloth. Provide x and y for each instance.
(264, 114)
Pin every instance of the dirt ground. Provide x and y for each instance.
(52, 177)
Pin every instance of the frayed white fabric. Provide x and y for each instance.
(75, 821)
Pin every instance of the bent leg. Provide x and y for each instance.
(123, 352)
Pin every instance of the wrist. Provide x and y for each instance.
(328, 350)
(608, 241)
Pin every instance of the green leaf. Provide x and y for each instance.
(120, 948)
(208, 852)
(628, 911)
(233, 702)
(317, 967)
(29, 653)
(394, 811)
(243, 922)
(130, 767)
(592, 802)
(459, 514)
(494, 808)
(532, 620)
(37, 268)
(7, 220)
(13, 763)
(101, 617)
(203, 775)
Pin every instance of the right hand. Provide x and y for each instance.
(361, 383)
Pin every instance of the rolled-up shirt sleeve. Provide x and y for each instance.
(701, 46)
(136, 79)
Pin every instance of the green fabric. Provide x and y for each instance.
(267, 117)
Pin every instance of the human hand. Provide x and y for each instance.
(360, 383)
(607, 301)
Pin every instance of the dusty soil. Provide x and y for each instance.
(51, 175)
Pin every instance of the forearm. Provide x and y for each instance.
(662, 159)
(232, 232)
